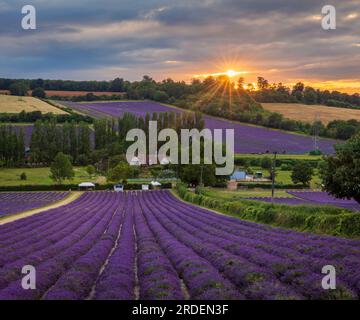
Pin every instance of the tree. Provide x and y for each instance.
(262, 83)
(195, 174)
(297, 91)
(19, 88)
(39, 93)
(302, 173)
(90, 169)
(310, 96)
(161, 96)
(117, 85)
(61, 168)
(340, 173)
(266, 163)
(23, 176)
(119, 173)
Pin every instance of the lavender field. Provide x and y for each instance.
(248, 139)
(150, 245)
(324, 198)
(16, 202)
(312, 198)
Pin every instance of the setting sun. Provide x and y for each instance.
(231, 73)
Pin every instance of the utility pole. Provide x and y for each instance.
(230, 95)
(273, 172)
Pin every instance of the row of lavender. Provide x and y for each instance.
(16, 202)
(312, 198)
(248, 139)
(149, 245)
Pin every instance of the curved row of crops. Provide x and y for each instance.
(150, 245)
(15, 202)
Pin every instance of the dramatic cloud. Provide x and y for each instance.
(89, 39)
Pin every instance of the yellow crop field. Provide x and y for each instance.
(15, 104)
(310, 113)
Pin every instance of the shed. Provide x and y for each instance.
(155, 183)
(86, 186)
(238, 175)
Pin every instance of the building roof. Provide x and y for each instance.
(86, 185)
(155, 183)
(238, 175)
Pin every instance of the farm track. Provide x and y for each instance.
(44, 207)
(152, 246)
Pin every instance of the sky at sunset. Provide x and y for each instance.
(281, 40)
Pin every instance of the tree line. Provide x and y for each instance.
(299, 93)
(48, 138)
(169, 90)
(12, 147)
(34, 116)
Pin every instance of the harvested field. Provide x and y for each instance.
(310, 113)
(15, 104)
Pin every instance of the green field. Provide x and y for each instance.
(284, 177)
(38, 176)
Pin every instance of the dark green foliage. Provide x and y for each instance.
(302, 172)
(61, 168)
(266, 163)
(48, 139)
(12, 147)
(23, 176)
(19, 88)
(341, 173)
(121, 172)
(34, 116)
(39, 93)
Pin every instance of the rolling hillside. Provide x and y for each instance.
(15, 104)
